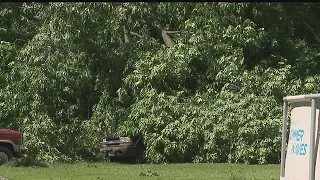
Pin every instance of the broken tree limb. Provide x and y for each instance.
(126, 37)
(166, 38)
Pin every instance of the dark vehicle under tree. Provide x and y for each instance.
(123, 148)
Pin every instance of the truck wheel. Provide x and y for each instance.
(5, 155)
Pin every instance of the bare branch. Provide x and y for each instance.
(172, 32)
(136, 34)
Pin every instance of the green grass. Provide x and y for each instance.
(104, 171)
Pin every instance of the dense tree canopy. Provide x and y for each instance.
(201, 82)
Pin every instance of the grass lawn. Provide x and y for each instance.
(106, 171)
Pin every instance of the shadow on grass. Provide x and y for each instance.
(126, 160)
(26, 162)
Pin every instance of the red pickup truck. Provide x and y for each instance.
(10, 145)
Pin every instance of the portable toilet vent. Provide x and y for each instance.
(300, 156)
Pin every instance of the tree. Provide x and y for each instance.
(202, 82)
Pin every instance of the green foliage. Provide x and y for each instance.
(74, 72)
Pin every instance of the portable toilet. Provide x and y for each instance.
(300, 156)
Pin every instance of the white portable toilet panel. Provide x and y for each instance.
(298, 149)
